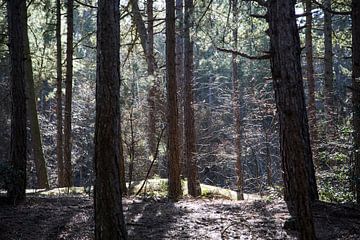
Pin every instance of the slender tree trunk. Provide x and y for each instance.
(175, 190)
(68, 95)
(59, 117)
(189, 121)
(289, 95)
(151, 72)
(179, 52)
(269, 174)
(329, 75)
(109, 218)
(311, 80)
(16, 10)
(356, 92)
(236, 107)
(40, 165)
(122, 161)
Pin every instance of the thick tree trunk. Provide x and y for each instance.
(40, 165)
(175, 190)
(189, 121)
(294, 131)
(68, 95)
(311, 80)
(329, 75)
(356, 92)
(109, 219)
(16, 10)
(59, 115)
(236, 108)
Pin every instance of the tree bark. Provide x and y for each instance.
(68, 181)
(356, 92)
(40, 164)
(300, 187)
(109, 218)
(189, 121)
(329, 75)
(311, 80)
(59, 115)
(175, 190)
(236, 107)
(16, 10)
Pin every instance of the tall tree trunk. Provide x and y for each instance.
(175, 190)
(189, 121)
(59, 115)
(356, 92)
(68, 95)
(16, 10)
(121, 160)
(179, 53)
(329, 75)
(109, 218)
(311, 80)
(40, 165)
(151, 72)
(294, 130)
(236, 107)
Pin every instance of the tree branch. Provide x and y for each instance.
(261, 57)
(346, 13)
(85, 4)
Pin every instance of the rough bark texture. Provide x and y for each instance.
(356, 91)
(329, 75)
(109, 218)
(236, 107)
(68, 181)
(59, 115)
(310, 79)
(175, 190)
(189, 121)
(16, 10)
(40, 164)
(289, 95)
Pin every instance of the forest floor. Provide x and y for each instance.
(71, 217)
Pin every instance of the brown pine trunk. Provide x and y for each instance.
(109, 218)
(311, 80)
(40, 165)
(16, 10)
(356, 92)
(329, 75)
(236, 108)
(68, 95)
(59, 115)
(189, 121)
(289, 95)
(175, 190)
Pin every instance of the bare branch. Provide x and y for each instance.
(85, 4)
(261, 57)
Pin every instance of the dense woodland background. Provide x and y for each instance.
(215, 91)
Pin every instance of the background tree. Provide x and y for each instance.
(68, 181)
(109, 219)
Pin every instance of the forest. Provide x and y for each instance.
(179, 119)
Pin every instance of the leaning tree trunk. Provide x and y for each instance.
(172, 114)
(356, 92)
(40, 165)
(294, 130)
(236, 108)
(59, 115)
(189, 121)
(68, 95)
(109, 218)
(311, 80)
(16, 10)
